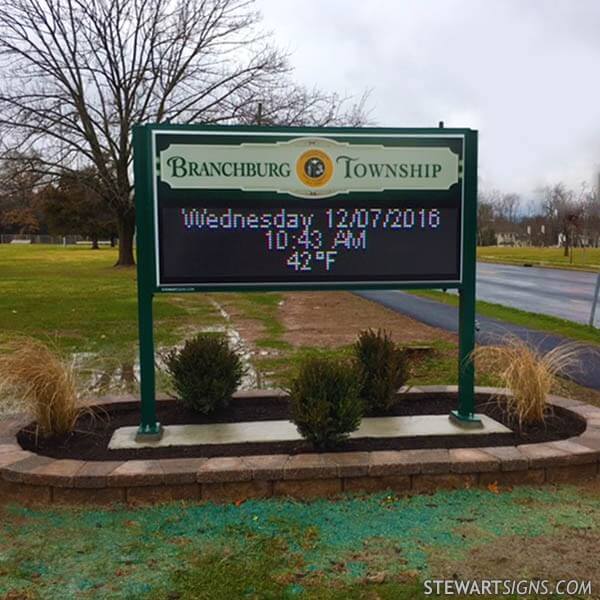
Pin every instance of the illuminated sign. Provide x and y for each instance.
(242, 208)
(299, 209)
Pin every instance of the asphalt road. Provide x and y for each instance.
(491, 331)
(556, 292)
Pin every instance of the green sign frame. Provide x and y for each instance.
(145, 174)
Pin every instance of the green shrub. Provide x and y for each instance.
(383, 369)
(205, 372)
(325, 401)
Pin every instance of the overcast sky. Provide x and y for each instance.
(525, 73)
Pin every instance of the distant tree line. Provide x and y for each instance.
(31, 203)
(560, 217)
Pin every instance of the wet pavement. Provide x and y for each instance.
(491, 331)
(556, 292)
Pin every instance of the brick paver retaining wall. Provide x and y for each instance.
(28, 478)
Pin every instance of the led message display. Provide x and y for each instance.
(266, 209)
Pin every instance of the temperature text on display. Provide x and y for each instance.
(276, 209)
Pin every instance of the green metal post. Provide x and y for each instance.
(465, 415)
(149, 428)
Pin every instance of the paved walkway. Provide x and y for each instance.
(284, 431)
(490, 330)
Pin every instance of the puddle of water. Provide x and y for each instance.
(102, 376)
(99, 375)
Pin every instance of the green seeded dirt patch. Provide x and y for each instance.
(372, 546)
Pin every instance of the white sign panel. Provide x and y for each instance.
(308, 167)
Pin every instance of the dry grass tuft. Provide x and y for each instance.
(46, 384)
(528, 374)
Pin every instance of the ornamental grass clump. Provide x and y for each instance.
(205, 372)
(325, 401)
(43, 381)
(383, 368)
(528, 374)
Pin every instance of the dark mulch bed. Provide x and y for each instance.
(91, 437)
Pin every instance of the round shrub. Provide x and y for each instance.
(205, 372)
(325, 401)
(383, 368)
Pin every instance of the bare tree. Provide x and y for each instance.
(486, 233)
(78, 74)
(563, 211)
(19, 184)
(509, 206)
(292, 104)
(498, 214)
(591, 211)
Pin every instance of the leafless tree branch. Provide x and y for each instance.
(78, 74)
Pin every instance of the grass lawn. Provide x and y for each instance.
(75, 298)
(584, 259)
(437, 366)
(552, 325)
(367, 547)
(376, 546)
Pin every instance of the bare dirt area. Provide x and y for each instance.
(571, 554)
(569, 551)
(334, 319)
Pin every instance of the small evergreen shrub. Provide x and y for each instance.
(205, 372)
(383, 368)
(325, 401)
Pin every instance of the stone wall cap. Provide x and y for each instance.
(23, 468)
